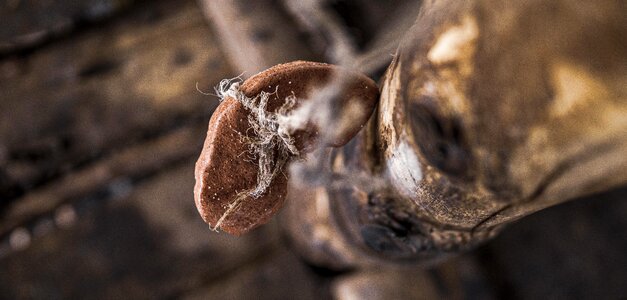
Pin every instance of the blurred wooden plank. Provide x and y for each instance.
(75, 101)
(280, 276)
(149, 244)
(457, 278)
(29, 23)
(386, 284)
(255, 35)
(132, 162)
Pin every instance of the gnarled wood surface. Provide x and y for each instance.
(485, 117)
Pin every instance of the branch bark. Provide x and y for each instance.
(491, 111)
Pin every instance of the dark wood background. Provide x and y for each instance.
(100, 126)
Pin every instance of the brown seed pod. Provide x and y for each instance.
(228, 192)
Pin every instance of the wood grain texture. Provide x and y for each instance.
(86, 97)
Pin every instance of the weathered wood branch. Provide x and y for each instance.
(491, 111)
